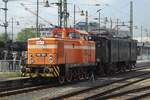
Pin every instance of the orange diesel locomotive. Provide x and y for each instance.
(66, 54)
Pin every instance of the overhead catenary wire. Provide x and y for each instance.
(34, 13)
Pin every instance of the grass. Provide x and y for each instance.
(9, 74)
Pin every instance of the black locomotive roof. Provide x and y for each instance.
(96, 37)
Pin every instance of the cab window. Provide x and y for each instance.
(58, 35)
(73, 35)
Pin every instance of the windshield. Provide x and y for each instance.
(45, 34)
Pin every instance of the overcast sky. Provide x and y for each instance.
(110, 8)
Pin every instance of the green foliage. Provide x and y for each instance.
(25, 34)
(2, 37)
(4, 75)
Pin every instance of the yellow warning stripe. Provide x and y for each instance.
(54, 73)
(56, 70)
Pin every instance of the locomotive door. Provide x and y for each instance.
(89, 53)
(42, 58)
(60, 52)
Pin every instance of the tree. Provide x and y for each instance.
(2, 37)
(25, 34)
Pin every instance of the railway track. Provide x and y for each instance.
(27, 85)
(138, 91)
(131, 94)
(18, 86)
(141, 96)
(89, 93)
(114, 93)
(20, 83)
(25, 90)
(11, 84)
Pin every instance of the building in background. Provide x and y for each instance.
(44, 31)
(94, 28)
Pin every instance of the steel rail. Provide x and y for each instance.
(13, 87)
(103, 95)
(72, 94)
(127, 92)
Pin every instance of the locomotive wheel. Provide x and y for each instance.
(84, 75)
(130, 67)
(75, 75)
(101, 71)
(124, 68)
(61, 79)
(30, 75)
(118, 70)
(87, 76)
(107, 70)
(81, 75)
(69, 76)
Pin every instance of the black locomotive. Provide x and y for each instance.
(114, 54)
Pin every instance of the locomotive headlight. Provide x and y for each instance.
(38, 54)
(41, 54)
(50, 58)
(32, 61)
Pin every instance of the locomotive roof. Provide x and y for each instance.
(111, 38)
(69, 30)
(63, 31)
